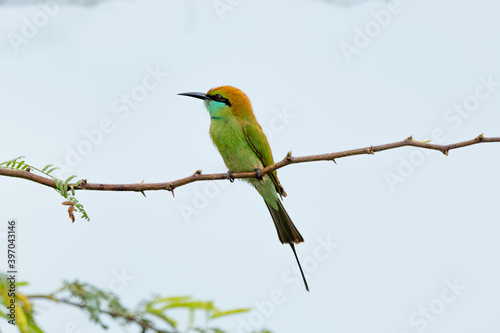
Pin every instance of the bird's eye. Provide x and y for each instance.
(218, 97)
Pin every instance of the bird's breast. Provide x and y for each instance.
(229, 138)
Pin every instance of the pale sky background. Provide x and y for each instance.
(416, 254)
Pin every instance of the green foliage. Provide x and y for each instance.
(159, 307)
(100, 304)
(23, 308)
(96, 301)
(62, 186)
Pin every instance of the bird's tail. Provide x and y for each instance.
(287, 232)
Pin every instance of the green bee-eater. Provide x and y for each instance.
(244, 147)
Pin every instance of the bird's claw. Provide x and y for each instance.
(230, 176)
(257, 174)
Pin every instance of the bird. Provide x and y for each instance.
(243, 146)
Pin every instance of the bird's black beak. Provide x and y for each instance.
(195, 95)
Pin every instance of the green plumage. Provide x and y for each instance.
(244, 147)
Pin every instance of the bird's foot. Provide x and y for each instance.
(257, 174)
(230, 176)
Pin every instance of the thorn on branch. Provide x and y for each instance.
(333, 160)
(143, 191)
(7, 168)
(171, 189)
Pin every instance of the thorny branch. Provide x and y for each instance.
(289, 159)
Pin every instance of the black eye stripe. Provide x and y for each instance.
(219, 98)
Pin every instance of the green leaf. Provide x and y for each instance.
(216, 330)
(72, 190)
(228, 312)
(70, 178)
(164, 317)
(21, 320)
(52, 169)
(58, 185)
(64, 188)
(34, 329)
(12, 160)
(176, 299)
(19, 164)
(46, 167)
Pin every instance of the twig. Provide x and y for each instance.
(145, 325)
(289, 159)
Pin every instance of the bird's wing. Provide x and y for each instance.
(258, 141)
